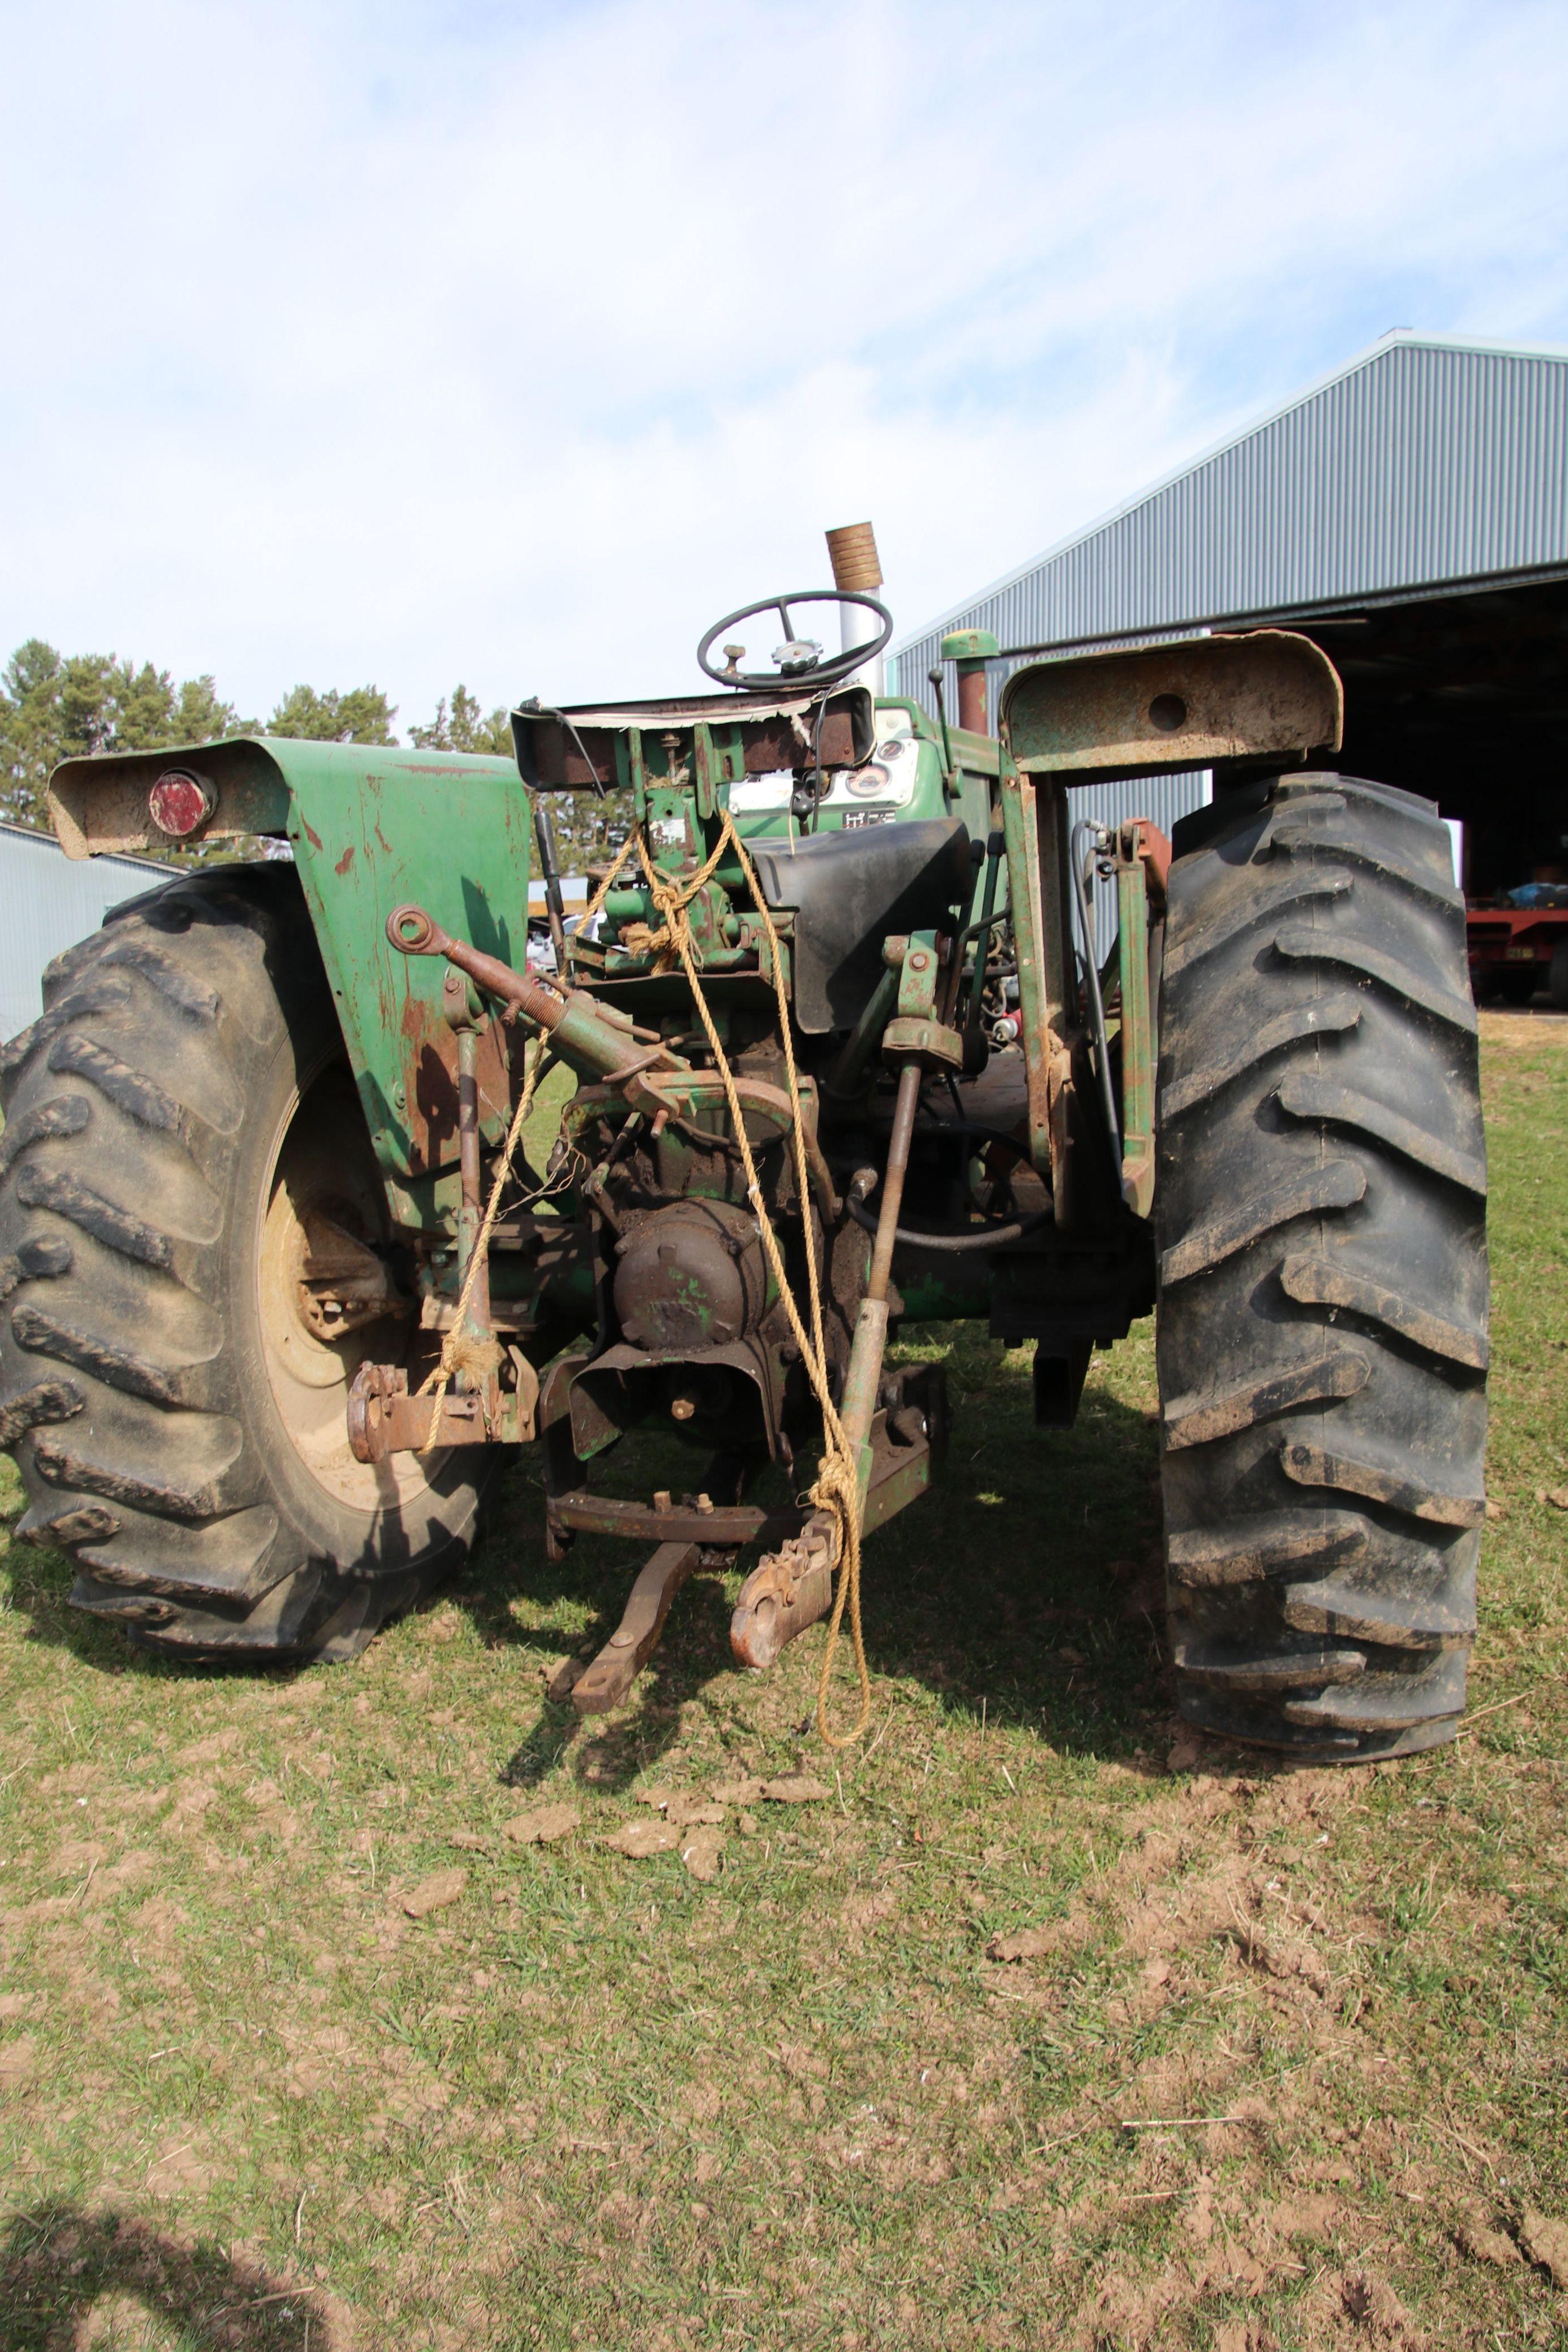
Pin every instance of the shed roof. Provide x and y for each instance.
(1425, 462)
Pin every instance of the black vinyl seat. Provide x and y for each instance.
(848, 891)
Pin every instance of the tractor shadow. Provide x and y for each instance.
(36, 1581)
(59, 2265)
(1024, 1588)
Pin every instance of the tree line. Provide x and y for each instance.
(56, 707)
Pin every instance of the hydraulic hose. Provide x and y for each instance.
(988, 1237)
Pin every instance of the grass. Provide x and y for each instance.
(247, 2099)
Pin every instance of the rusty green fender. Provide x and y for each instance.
(369, 827)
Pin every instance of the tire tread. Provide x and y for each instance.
(125, 1102)
(1320, 1224)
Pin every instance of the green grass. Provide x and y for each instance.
(597, 2101)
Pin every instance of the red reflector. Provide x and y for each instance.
(179, 802)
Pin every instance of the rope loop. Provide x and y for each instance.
(837, 1489)
(458, 1347)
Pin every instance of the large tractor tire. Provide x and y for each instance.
(181, 1133)
(1319, 1216)
(1557, 977)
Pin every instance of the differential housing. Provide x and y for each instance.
(690, 1277)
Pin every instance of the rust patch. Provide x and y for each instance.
(430, 1078)
(311, 835)
(435, 1109)
(346, 861)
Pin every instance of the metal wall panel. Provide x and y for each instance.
(1421, 462)
(48, 902)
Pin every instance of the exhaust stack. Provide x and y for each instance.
(852, 550)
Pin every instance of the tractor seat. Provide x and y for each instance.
(848, 891)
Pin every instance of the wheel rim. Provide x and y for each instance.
(323, 1205)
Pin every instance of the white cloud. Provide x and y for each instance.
(518, 343)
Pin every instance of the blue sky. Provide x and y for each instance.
(509, 342)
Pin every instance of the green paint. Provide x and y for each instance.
(370, 828)
(919, 975)
(955, 1290)
(970, 646)
(372, 825)
(1021, 833)
(1140, 1052)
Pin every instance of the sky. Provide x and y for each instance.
(514, 342)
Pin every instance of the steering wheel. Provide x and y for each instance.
(799, 660)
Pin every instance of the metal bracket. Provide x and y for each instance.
(384, 1419)
(917, 1035)
(605, 1683)
(1143, 863)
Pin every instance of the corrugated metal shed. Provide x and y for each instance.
(49, 901)
(1425, 462)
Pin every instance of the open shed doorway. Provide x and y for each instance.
(1463, 695)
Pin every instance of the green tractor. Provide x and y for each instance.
(287, 1271)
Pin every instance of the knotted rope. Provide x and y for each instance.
(837, 1489)
(461, 1351)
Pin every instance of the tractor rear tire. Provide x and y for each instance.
(1320, 1218)
(181, 1107)
(1557, 978)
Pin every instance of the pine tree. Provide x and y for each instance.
(462, 728)
(363, 715)
(55, 708)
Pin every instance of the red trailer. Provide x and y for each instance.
(1515, 950)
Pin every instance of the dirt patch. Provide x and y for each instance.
(185, 2168)
(208, 1749)
(1545, 2241)
(641, 1840)
(544, 1826)
(864, 1914)
(436, 1892)
(18, 2060)
(702, 1850)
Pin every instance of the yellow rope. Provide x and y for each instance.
(641, 939)
(456, 1344)
(837, 1489)
(838, 1486)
